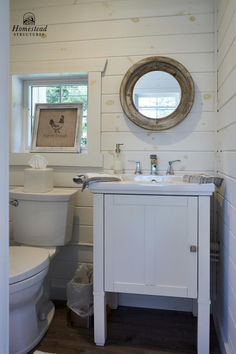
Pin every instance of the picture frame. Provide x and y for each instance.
(57, 127)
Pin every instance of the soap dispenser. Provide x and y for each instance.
(118, 163)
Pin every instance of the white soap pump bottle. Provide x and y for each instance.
(118, 163)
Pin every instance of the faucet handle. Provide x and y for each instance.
(169, 169)
(138, 170)
(172, 161)
(153, 157)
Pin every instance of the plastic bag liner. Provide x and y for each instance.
(80, 291)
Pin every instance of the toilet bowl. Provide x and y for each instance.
(30, 315)
(41, 222)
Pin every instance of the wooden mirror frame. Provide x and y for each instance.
(172, 67)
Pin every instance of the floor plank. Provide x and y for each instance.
(130, 330)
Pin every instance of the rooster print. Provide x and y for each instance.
(57, 126)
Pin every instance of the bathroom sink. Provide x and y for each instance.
(152, 184)
(152, 178)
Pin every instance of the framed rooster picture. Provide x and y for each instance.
(57, 127)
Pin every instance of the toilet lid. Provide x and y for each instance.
(26, 262)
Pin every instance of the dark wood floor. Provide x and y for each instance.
(131, 331)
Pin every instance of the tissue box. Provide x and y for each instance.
(38, 180)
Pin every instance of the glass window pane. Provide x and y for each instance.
(44, 94)
(83, 141)
(74, 90)
(75, 93)
(53, 94)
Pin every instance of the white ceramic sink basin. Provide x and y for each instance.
(153, 178)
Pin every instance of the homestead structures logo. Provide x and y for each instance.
(29, 27)
(29, 19)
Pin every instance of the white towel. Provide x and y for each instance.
(87, 178)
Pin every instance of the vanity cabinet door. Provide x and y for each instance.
(151, 244)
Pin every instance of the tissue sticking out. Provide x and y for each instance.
(38, 161)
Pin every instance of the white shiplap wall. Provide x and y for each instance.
(225, 310)
(123, 32)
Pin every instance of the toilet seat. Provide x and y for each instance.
(26, 262)
(27, 283)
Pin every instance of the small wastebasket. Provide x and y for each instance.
(80, 296)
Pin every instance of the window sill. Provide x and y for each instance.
(60, 159)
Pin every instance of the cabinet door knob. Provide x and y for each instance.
(193, 248)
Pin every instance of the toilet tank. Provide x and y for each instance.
(42, 219)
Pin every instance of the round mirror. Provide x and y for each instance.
(157, 93)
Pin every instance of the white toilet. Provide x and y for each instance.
(44, 220)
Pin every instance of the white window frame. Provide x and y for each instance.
(93, 157)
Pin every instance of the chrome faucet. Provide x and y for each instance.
(170, 170)
(138, 170)
(153, 164)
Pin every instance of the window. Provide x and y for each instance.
(55, 91)
(80, 72)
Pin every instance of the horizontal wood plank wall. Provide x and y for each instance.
(123, 32)
(225, 310)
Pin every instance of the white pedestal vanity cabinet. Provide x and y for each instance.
(152, 239)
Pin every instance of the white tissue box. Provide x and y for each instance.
(38, 180)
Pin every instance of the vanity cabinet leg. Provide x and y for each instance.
(100, 318)
(203, 341)
(203, 327)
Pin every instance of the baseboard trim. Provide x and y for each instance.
(58, 293)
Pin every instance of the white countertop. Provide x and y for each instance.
(169, 187)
